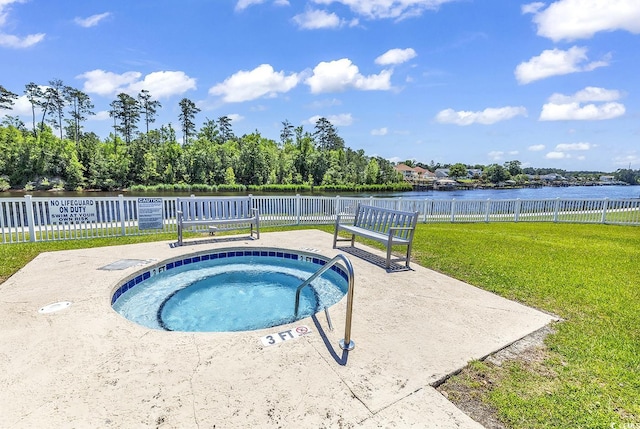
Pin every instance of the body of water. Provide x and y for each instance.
(578, 192)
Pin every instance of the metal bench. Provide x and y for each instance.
(389, 227)
(235, 212)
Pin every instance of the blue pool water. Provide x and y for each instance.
(228, 291)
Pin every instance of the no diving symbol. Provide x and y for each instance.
(302, 330)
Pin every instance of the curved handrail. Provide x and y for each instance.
(346, 343)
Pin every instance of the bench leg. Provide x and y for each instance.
(408, 255)
(389, 246)
(179, 229)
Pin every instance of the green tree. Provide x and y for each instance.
(514, 167)
(326, 135)
(226, 132)
(148, 108)
(628, 175)
(229, 176)
(371, 172)
(55, 102)
(495, 173)
(6, 98)
(80, 107)
(286, 135)
(35, 96)
(458, 170)
(188, 111)
(209, 131)
(125, 111)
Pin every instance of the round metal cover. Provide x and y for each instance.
(56, 306)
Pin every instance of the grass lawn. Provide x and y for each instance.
(587, 274)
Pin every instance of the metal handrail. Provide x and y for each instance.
(345, 343)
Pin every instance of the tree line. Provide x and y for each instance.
(57, 151)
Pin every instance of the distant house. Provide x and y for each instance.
(474, 172)
(553, 177)
(607, 178)
(414, 173)
(407, 172)
(442, 173)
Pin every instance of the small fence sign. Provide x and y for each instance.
(63, 211)
(149, 213)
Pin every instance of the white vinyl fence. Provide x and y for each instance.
(45, 219)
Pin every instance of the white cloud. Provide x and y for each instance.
(557, 155)
(92, 20)
(102, 115)
(11, 40)
(164, 84)
(486, 117)
(571, 107)
(340, 75)
(536, 147)
(626, 160)
(263, 81)
(495, 155)
(316, 19)
(581, 19)
(107, 83)
(160, 84)
(243, 4)
(380, 9)
(235, 117)
(590, 93)
(532, 7)
(396, 56)
(380, 131)
(576, 112)
(343, 119)
(21, 106)
(322, 104)
(554, 62)
(573, 146)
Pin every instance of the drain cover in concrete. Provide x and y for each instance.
(123, 264)
(56, 306)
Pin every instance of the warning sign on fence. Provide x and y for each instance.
(64, 211)
(150, 213)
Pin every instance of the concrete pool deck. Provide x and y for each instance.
(86, 366)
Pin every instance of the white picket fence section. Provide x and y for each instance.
(29, 219)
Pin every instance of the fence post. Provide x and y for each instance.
(516, 214)
(453, 210)
(487, 210)
(30, 218)
(556, 209)
(297, 208)
(424, 210)
(121, 211)
(337, 206)
(604, 210)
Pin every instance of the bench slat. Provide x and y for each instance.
(197, 211)
(390, 227)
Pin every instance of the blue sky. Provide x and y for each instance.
(551, 84)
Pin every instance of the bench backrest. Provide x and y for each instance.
(205, 208)
(380, 220)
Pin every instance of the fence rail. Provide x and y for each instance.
(31, 219)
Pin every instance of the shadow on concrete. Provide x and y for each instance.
(376, 260)
(340, 360)
(225, 239)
